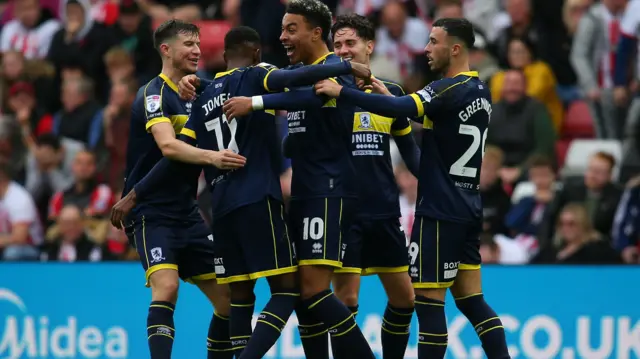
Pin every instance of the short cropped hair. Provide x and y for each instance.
(458, 28)
(608, 157)
(240, 36)
(172, 28)
(49, 140)
(538, 160)
(363, 27)
(315, 13)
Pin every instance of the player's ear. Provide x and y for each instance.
(224, 56)
(164, 49)
(456, 49)
(370, 46)
(316, 34)
(257, 56)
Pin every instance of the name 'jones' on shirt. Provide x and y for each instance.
(215, 102)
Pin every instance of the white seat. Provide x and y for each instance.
(581, 150)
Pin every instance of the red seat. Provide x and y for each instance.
(578, 122)
(562, 147)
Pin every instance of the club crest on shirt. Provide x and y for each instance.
(365, 120)
(152, 103)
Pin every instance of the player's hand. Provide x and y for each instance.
(328, 88)
(227, 160)
(361, 71)
(362, 85)
(379, 87)
(121, 209)
(187, 87)
(237, 107)
(620, 96)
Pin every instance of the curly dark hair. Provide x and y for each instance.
(362, 26)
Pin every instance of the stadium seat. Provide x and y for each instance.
(578, 122)
(562, 146)
(581, 150)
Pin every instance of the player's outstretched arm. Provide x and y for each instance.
(295, 100)
(278, 80)
(177, 150)
(403, 106)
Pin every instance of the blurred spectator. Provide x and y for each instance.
(116, 120)
(625, 233)
(400, 38)
(80, 118)
(481, 13)
(12, 147)
(104, 11)
(499, 249)
(520, 126)
(519, 24)
(187, 12)
(593, 57)
(20, 227)
(479, 59)
(408, 186)
(596, 191)
(87, 193)
(266, 17)
(31, 116)
(578, 243)
(72, 243)
(83, 41)
(38, 73)
(495, 201)
(31, 31)
(49, 169)
(119, 64)
(133, 33)
(526, 215)
(540, 80)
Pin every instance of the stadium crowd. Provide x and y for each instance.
(558, 180)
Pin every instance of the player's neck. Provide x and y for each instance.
(237, 64)
(455, 70)
(173, 74)
(316, 54)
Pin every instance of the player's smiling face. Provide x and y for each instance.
(185, 52)
(438, 51)
(348, 45)
(296, 36)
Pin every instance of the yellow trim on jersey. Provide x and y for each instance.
(178, 122)
(402, 132)
(468, 73)
(156, 121)
(188, 132)
(322, 58)
(377, 123)
(348, 270)
(257, 275)
(331, 103)
(463, 266)
(419, 104)
(273, 233)
(264, 81)
(168, 81)
(286, 231)
(270, 112)
(224, 73)
(201, 277)
(156, 268)
(326, 210)
(340, 229)
(427, 124)
(382, 270)
(458, 83)
(320, 262)
(431, 285)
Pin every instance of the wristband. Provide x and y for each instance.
(257, 103)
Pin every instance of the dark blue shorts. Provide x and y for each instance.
(376, 246)
(438, 249)
(252, 242)
(183, 246)
(319, 228)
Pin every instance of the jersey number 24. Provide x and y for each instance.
(459, 167)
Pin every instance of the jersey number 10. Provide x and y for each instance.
(458, 168)
(216, 126)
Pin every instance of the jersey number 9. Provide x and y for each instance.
(458, 168)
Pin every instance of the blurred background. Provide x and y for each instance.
(560, 180)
